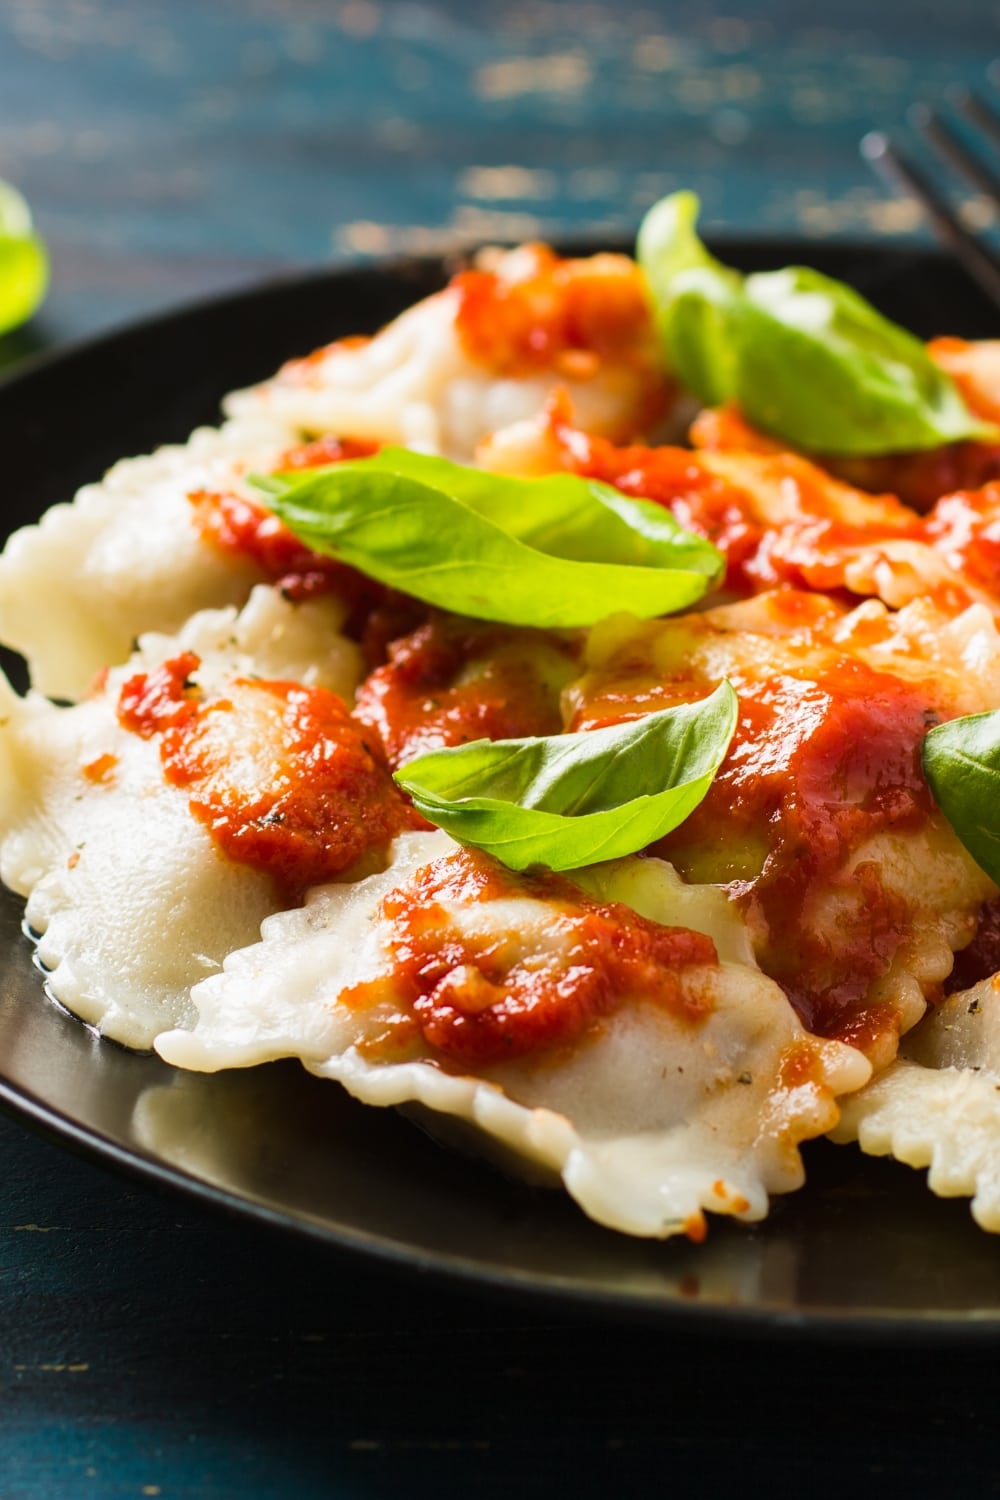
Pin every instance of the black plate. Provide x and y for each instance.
(865, 1249)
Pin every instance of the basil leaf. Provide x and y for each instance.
(962, 764)
(570, 800)
(698, 345)
(23, 262)
(806, 357)
(554, 552)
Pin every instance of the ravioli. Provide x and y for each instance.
(217, 861)
(482, 354)
(820, 823)
(780, 519)
(128, 556)
(130, 895)
(938, 1106)
(677, 1099)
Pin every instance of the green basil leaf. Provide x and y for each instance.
(698, 344)
(962, 764)
(556, 552)
(806, 357)
(23, 262)
(570, 800)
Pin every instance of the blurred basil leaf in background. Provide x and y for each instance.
(24, 265)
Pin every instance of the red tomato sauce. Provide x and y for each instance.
(805, 554)
(280, 774)
(484, 999)
(701, 501)
(326, 450)
(810, 549)
(453, 680)
(817, 767)
(102, 770)
(919, 479)
(724, 429)
(242, 527)
(916, 479)
(561, 315)
(981, 959)
(822, 766)
(975, 369)
(965, 529)
(247, 529)
(813, 548)
(153, 701)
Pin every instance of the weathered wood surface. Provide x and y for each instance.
(150, 1348)
(172, 147)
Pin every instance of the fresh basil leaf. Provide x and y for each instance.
(555, 552)
(962, 764)
(875, 387)
(698, 344)
(570, 800)
(806, 357)
(23, 262)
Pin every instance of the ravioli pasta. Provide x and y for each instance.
(129, 556)
(131, 900)
(217, 863)
(711, 1116)
(461, 364)
(938, 1105)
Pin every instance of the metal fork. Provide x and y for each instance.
(899, 170)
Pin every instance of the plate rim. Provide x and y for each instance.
(745, 1321)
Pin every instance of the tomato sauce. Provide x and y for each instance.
(231, 523)
(150, 702)
(324, 450)
(247, 529)
(917, 479)
(826, 527)
(818, 765)
(675, 478)
(102, 770)
(724, 429)
(975, 369)
(965, 529)
(486, 998)
(453, 680)
(818, 768)
(561, 315)
(280, 774)
(821, 529)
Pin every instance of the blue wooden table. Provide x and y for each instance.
(174, 147)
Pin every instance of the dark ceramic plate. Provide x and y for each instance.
(865, 1249)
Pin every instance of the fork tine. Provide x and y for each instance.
(976, 111)
(898, 170)
(939, 135)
